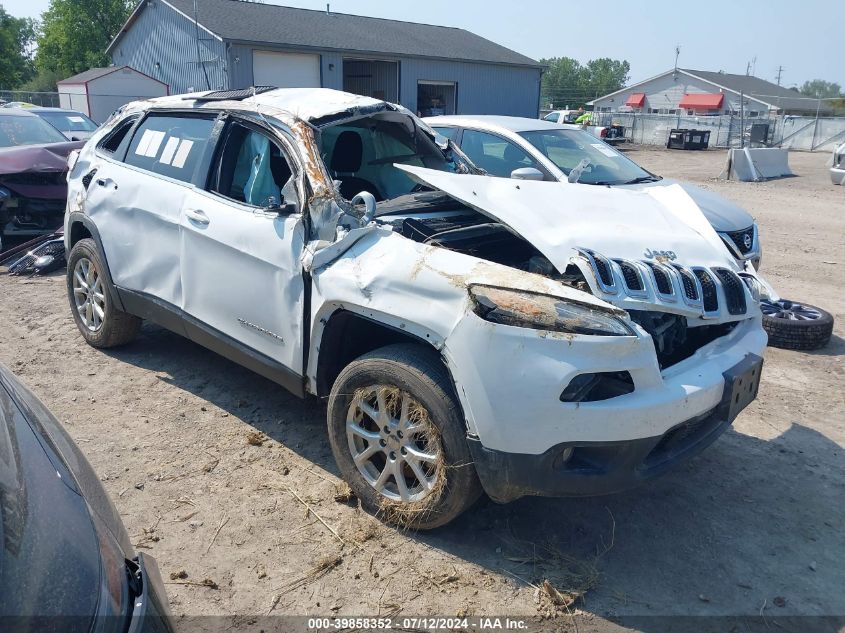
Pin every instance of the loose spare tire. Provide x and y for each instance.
(796, 325)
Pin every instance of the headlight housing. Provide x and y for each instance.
(543, 312)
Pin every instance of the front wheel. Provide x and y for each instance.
(99, 321)
(398, 437)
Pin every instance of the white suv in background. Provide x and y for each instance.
(837, 172)
(468, 332)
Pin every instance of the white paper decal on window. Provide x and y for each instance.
(182, 154)
(150, 142)
(169, 150)
(76, 119)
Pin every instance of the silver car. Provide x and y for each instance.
(837, 172)
(530, 149)
(74, 125)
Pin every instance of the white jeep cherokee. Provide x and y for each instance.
(469, 332)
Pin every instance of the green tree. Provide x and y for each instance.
(820, 88)
(566, 82)
(605, 75)
(75, 34)
(17, 36)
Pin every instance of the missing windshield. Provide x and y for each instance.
(361, 154)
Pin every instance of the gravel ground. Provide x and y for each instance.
(222, 475)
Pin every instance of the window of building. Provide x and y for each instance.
(436, 98)
(170, 145)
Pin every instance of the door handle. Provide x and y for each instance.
(106, 182)
(196, 215)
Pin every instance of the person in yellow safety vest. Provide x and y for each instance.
(583, 118)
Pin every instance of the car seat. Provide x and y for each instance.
(346, 161)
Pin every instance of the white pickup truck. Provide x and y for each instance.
(612, 134)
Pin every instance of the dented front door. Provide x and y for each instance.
(240, 253)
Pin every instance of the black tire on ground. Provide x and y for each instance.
(812, 331)
(419, 372)
(118, 327)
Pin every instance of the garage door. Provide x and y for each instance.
(285, 70)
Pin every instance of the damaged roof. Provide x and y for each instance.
(272, 24)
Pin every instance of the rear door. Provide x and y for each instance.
(135, 199)
(241, 242)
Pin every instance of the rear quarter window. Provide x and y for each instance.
(170, 145)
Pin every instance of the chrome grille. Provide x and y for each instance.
(689, 283)
(709, 295)
(704, 290)
(734, 290)
(631, 275)
(661, 279)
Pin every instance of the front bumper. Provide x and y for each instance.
(837, 175)
(573, 469)
(510, 380)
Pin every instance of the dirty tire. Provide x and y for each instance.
(116, 327)
(419, 373)
(811, 331)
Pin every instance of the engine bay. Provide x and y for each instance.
(436, 219)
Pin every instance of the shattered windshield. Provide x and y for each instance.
(362, 154)
(605, 166)
(27, 130)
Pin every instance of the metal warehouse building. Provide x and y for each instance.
(707, 93)
(231, 44)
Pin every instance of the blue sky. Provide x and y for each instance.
(806, 38)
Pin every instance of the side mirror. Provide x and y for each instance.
(527, 173)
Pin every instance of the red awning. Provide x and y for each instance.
(636, 100)
(702, 101)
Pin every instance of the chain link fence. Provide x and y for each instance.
(805, 133)
(46, 99)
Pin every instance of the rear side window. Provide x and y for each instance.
(117, 137)
(170, 145)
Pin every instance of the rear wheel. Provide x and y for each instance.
(794, 325)
(101, 323)
(399, 439)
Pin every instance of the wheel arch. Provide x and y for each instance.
(347, 334)
(79, 227)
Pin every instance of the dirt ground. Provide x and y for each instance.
(222, 475)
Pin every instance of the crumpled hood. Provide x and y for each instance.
(654, 223)
(35, 158)
(722, 214)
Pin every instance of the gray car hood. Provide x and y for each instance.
(722, 214)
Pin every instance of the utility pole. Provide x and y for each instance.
(780, 71)
(677, 54)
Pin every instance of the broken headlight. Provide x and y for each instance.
(543, 312)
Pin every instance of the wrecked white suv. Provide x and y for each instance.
(469, 332)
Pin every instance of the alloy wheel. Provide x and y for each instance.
(790, 310)
(88, 294)
(394, 444)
